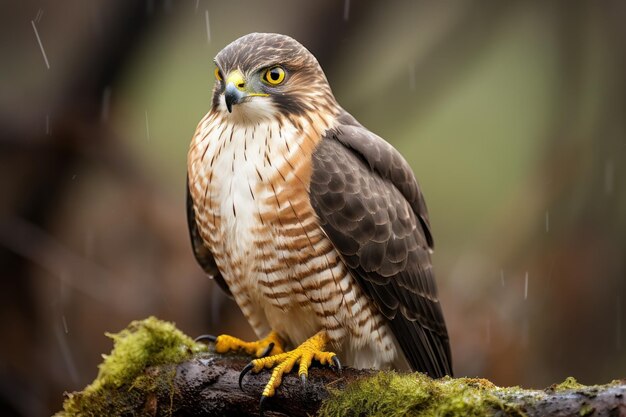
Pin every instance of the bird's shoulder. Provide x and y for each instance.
(379, 156)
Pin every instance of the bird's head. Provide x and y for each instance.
(267, 75)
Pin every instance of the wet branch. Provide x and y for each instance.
(207, 385)
(156, 370)
(213, 384)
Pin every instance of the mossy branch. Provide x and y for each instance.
(155, 370)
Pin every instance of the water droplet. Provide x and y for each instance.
(43, 52)
(207, 361)
(208, 26)
(66, 353)
(38, 16)
(526, 286)
(64, 324)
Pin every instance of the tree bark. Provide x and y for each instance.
(208, 385)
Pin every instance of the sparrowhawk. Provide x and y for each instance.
(313, 224)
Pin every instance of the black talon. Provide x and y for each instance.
(261, 405)
(268, 349)
(208, 337)
(303, 378)
(244, 372)
(337, 364)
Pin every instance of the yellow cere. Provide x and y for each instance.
(274, 75)
(236, 77)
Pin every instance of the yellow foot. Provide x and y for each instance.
(311, 349)
(269, 345)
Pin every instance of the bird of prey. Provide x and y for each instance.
(313, 224)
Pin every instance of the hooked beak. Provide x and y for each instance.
(235, 92)
(232, 95)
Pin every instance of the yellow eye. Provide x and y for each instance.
(274, 75)
(218, 74)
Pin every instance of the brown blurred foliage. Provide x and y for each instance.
(93, 232)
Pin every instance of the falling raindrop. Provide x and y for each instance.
(147, 127)
(346, 10)
(197, 5)
(526, 286)
(608, 177)
(412, 76)
(106, 99)
(43, 52)
(208, 26)
(67, 354)
(547, 221)
(64, 324)
(38, 16)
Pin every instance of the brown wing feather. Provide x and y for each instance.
(370, 206)
(201, 252)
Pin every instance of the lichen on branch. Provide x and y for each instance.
(143, 344)
(156, 370)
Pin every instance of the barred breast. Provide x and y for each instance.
(249, 183)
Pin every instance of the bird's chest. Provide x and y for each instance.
(250, 189)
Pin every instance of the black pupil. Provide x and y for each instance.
(274, 74)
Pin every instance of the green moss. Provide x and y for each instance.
(391, 394)
(382, 395)
(142, 344)
(570, 383)
(586, 410)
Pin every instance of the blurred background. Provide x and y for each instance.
(512, 115)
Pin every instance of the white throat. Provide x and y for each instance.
(254, 110)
